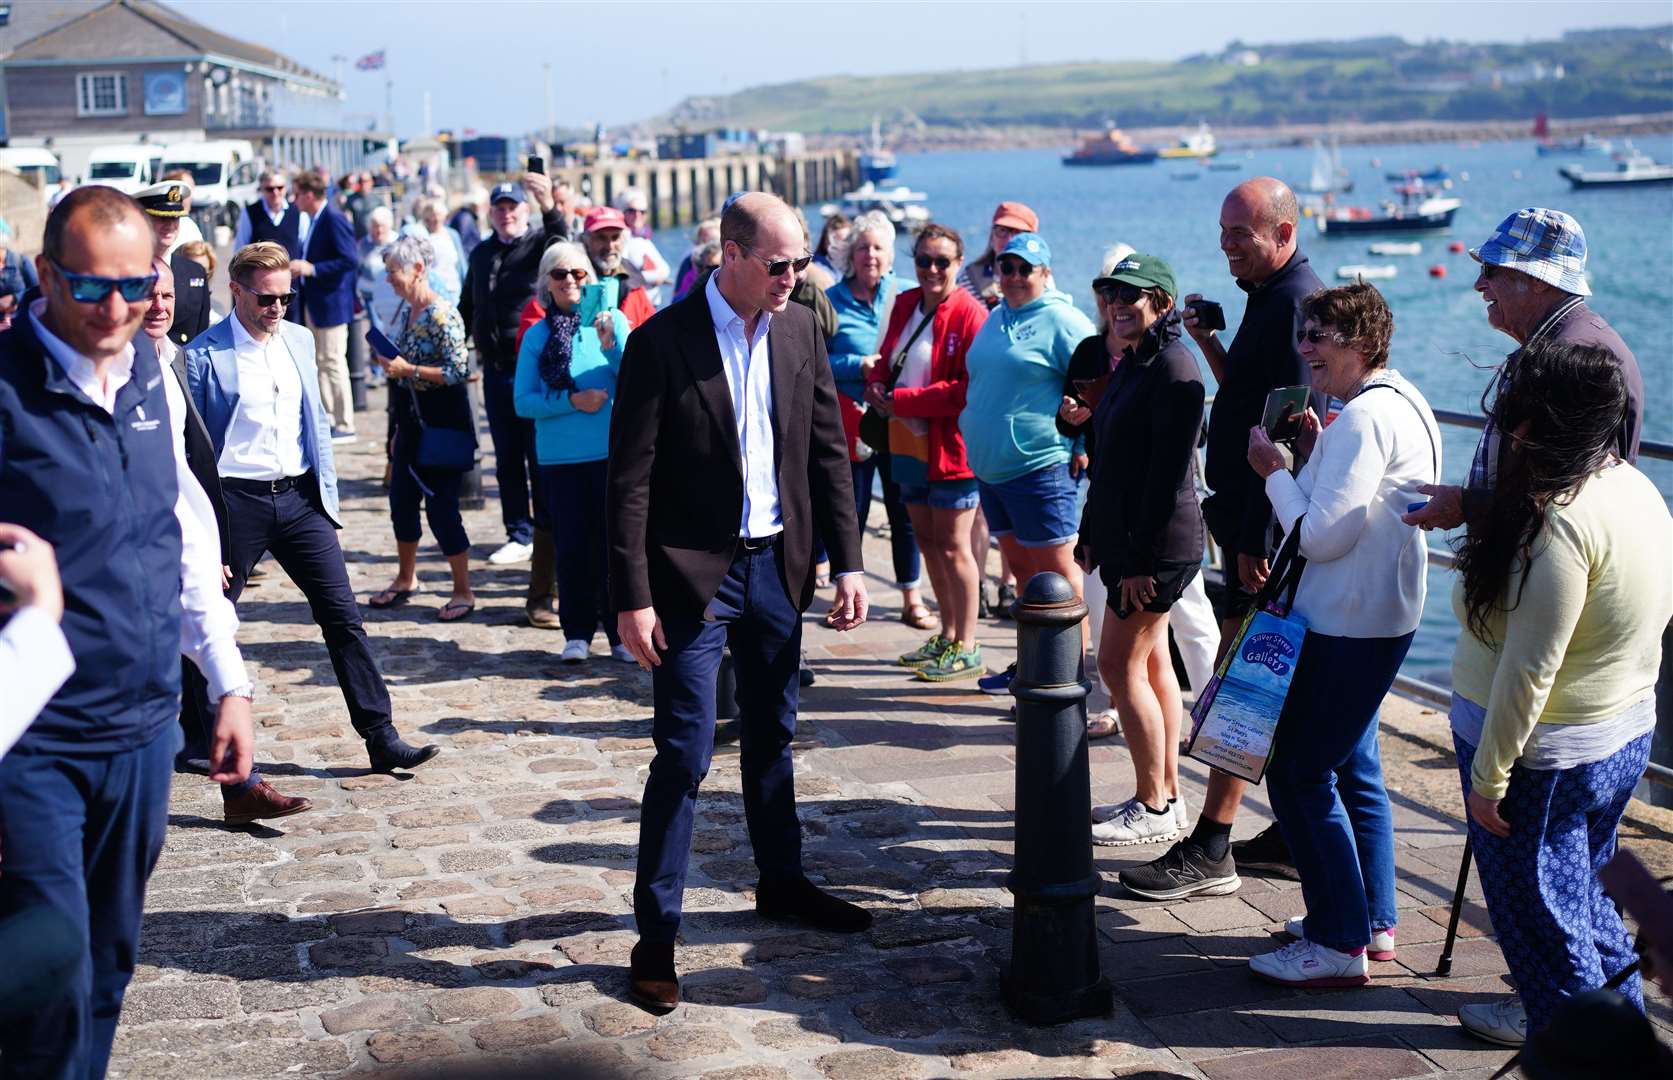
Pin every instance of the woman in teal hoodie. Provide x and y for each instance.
(1018, 365)
(566, 384)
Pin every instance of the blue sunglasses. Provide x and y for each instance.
(92, 289)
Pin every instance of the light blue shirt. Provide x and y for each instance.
(748, 367)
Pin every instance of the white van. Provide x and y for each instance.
(33, 163)
(223, 171)
(126, 168)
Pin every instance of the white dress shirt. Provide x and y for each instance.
(35, 661)
(242, 234)
(209, 625)
(264, 439)
(748, 369)
(197, 500)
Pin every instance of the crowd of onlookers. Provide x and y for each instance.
(979, 404)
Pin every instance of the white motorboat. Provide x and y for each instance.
(1632, 167)
(900, 204)
(1396, 247)
(1366, 272)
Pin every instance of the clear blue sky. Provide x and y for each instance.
(615, 61)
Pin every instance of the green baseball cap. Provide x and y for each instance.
(1141, 270)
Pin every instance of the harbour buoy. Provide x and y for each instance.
(1456, 247)
(1437, 271)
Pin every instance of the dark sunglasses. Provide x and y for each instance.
(1015, 268)
(940, 262)
(268, 299)
(577, 276)
(1487, 271)
(1314, 335)
(273, 187)
(1127, 294)
(779, 267)
(92, 289)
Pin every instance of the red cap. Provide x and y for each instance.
(605, 217)
(1014, 215)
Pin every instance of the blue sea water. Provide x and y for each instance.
(1441, 341)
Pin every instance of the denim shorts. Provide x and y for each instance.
(1039, 508)
(942, 494)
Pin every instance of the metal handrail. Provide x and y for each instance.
(1647, 448)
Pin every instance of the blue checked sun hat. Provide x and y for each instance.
(1544, 244)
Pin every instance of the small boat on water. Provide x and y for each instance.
(1192, 144)
(1546, 146)
(1396, 247)
(1112, 147)
(1328, 177)
(900, 204)
(1418, 212)
(1225, 166)
(1194, 174)
(877, 164)
(1365, 272)
(1433, 175)
(1631, 169)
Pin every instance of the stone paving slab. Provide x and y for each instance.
(473, 919)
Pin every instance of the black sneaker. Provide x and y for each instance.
(1007, 606)
(1266, 850)
(982, 602)
(1185, 870)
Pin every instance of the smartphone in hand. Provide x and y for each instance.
(1210, 315)
(537, 164)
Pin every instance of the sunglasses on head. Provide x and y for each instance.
(779, 267)
(1314, 335)
(1015, 268)
(924, 262)
(92, 289)
(576, 275)
(1127, 294)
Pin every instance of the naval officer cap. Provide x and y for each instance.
(167, 199)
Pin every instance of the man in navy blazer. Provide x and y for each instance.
(253, 380)
(327, 273)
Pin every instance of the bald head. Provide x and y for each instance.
(744, 218)
(1257, 228)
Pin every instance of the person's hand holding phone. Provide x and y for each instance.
(1264, 455)
(538, 186)
(28, 573)
(606, 327)
(588, 401)
(1073, 412)
(1307, 433)
(1191, 318)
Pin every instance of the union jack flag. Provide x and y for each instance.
(370, 62)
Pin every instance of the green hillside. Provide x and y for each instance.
(1590, 73)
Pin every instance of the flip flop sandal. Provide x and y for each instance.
(459, 609)
(1103, 726)
(918, 617)
(392, 598)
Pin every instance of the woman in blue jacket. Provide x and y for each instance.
(566, 384)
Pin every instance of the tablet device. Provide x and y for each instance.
(599, 297)
(1282, 416)
(381, 346)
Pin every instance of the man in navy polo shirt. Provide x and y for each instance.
(88, 462)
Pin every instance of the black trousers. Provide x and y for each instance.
(291, 525)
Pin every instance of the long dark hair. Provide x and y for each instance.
(1556, 415)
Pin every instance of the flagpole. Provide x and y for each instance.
(389, 104)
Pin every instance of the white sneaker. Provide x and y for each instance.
(1305, 964)
(622, 653)
(1504, 1022)
(511, 552)
(1181, 816)
(575, 651)
(1382, 941)
(1134, 825)
(1111, 811)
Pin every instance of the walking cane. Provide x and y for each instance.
(1444, 967)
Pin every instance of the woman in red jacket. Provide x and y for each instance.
(920, 386)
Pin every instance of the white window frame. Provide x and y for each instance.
(86, 93)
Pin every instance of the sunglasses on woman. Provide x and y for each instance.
(92, 289)
(779, 267)
(1127, 294)
(940, 262)
(1314, 335)
(575, 274)
(1015, 268)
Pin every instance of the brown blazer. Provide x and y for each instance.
(675, 492)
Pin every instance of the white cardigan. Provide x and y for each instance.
(1366, 570)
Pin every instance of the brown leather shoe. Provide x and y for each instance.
(652, 983)
(262, 801)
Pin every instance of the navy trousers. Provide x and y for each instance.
(578, 542)
(80, 836)
(302, 539)
(753, 615)
(514, 462)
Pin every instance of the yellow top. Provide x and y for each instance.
(1584, 642)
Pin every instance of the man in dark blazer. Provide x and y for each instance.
(727, 454)
(327, 272)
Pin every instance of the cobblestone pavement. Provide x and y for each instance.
(475, 915)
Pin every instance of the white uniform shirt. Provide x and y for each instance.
(35, 661)
(264, 439)
(209, 625)
(748, 369)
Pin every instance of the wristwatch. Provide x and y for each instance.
(247, 692)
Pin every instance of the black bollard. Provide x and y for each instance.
(1054, 974)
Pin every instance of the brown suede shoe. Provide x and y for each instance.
(652, 983)
(262, 801)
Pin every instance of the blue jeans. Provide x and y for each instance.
(1325, 783)
(578, 541)
(1560, 933)
(80, 836)
(514, 462)
(753, 615)
(903, 542)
